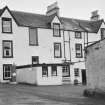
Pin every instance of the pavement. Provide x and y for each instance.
(22, 94)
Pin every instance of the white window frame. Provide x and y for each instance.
(6, 25)
(78, 35)
(76, 72)
(8, 48)
(78, 50)
(54, 70)
(56, 30)
(102, 33)
(57, 51)
(4, 71)
(33, 32)
(65, 71)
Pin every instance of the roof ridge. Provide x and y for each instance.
(75, 19)
(24, 12)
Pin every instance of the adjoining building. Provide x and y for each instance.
(29, 38)
(95, 64)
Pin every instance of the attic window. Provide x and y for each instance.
(102, 33)
(6, 25)
(78, 35)
(56, 29)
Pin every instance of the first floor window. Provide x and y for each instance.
(35, 59)
(57, 50)
(76, 72)
(7, 48)
(54, 70)
(44, 71)
(65, 71)
(78, 48)
(33, 37)
(7, 71)
(6, 25)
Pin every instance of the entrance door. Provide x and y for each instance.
(83, 76)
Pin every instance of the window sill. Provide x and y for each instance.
(78, 38)
(9, 78)
(66, 76)
(57, 57)
(54, 75)
(56, 36)
(33, 45)
(7, 57)
(79, 57)
(44, 76)
(7, 32)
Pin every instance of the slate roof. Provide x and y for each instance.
(38, 20)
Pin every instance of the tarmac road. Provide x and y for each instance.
(45, 95)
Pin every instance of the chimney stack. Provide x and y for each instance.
(95, 16)
(52, 9)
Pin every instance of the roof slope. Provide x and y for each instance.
(37, 20)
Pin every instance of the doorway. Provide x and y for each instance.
(84, 81)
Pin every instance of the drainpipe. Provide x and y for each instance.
(64, 44)
(69, 45)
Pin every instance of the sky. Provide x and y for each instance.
(80, 9)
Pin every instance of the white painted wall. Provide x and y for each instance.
(80, 65)
(50, 80)
(34, 76)
(70, 48)
(22, 52)
(26, 75)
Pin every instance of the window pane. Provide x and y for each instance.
(56, 29)
(76, 71)
(102, 33)
(44, 70)
(35, 59)
(33, 36)
(77, 34)
(7, 71)
(57, 49)
(78, 48)
(7, 48)
(6, 25)
(65, 71)
(54, 70)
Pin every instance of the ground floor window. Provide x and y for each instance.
(76, 72)
(44, 71)
(54, 70)
(65, 71)
(7, 71)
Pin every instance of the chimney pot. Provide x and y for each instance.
(52, 9)
(95, 16)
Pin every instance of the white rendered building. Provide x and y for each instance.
(28, 38)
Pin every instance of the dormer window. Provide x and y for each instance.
(56, 29)
(78, 35)
(6, 25)
(102, 33)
